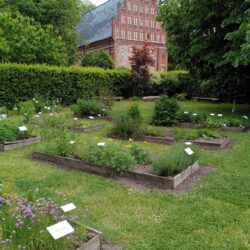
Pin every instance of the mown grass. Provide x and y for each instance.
(213, 215)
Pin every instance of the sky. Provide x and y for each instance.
(98, 2)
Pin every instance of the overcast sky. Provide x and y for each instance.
(98, 2)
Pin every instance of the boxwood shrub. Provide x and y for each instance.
(23, 82)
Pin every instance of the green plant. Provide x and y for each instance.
(27, 109)
(88, 108)
(192, 117)
(140, 153)
(98, 59)
(23, 82)
(166, 111)
(3, 110)
(173, 161)
(134, 113)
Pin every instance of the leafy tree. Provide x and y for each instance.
(140, 62)
(24, 41)
(98, 59)
(63, 15)
(210, 38)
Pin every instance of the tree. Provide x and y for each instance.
(24, 41)
(63, 15)
(98, 59)
(210, 38)
(140, 62)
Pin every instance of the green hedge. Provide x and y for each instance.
(23, 82)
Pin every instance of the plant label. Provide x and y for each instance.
(188, 143)
(91, 117)
(72, 142)
(68, 207)
(212, 114)
(75, 119)
(23, 128)
(194, 114)
(220, 115)
(60, 230)
(101, 144)
(186, 112)
(189, 151)
(99, 115)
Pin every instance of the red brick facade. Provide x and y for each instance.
(134, 25)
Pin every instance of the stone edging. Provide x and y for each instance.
(149, 180)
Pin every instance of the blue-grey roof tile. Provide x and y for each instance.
(96, 25)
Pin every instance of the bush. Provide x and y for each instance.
(173, 161)
(27, 109)
(135, 113)
(98, 59)
(22, 82)
(10, 132)
(166, 111)
(88, 107)
(140, 153)
(192, 117)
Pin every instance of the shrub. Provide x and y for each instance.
(140, 153)
(23, 82)
(192, 117)
(3, 110)
(98, 59)
(135, 113)
(166, 111)
(27, 109)
(173, 161)
(10, 132)
(88, 107)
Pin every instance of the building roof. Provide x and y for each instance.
(96, 25)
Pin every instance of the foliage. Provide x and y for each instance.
(98, 59)
(61, 15)
(129, 124)
(10, 132)
(191, 134)
(140, 62)
(3, 110)
(24, 219)
(166, 111)
(88, 108)
(192, 117)
(210, 38)
(24, 41)
(140, 153)
(22, 83)
(27, 109)
(173, 161)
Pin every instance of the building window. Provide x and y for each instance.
(123, 34)
(130, 20)
(152, 23)
(152, 11)
(157, 38)
(117, 32)
(141, 36)
(147, 23)
(146, 9)
(135, 35)
(123, 19)
(152, 37)
(141, 9)
(130, 34)
(129, 6)
(141, 22)
(163, 39)
(148, 36)
(135, 21)
(135, 7)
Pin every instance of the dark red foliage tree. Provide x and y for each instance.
(140, 62)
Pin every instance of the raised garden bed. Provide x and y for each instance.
(104, 118)
(149, 180)
(197, 126)
(7, 146)
(88, 129)
(206, 144)
(94, 241)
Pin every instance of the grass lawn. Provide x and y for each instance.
(213, 215)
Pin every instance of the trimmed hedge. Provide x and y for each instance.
(23, 82)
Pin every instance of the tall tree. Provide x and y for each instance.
(62, 14)
(210, 38)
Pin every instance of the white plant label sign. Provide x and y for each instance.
(68, 207)
(189, 151)
(101, 144)
(23, 128)
(60, 230)
(91, 117)
(188, 143)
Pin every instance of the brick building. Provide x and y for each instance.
(118, 25)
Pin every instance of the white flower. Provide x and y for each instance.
(75, 119)
(101, 144)
(99, 115)
(25, 114)
(37, 116)
(103, 109)
(36, 101)
(91, 117)
(45, 107)
(39, 113)
(15, 108)
(244, 116)
(225, 125)
(72, 142)
(49, 108)
(51, 114)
